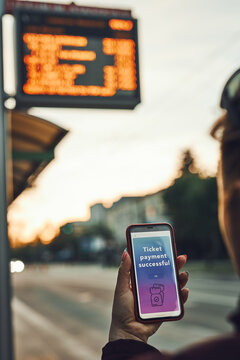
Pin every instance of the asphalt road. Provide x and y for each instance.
(64, 312)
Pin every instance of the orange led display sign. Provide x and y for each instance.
(70, 61)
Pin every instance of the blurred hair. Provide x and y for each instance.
(229, 185)
(229, 138)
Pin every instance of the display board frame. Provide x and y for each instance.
(122, 99)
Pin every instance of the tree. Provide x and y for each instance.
(188, 163)
(191, 203)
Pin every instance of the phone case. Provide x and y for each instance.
(155, 290)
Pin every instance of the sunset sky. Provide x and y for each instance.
(188, 49)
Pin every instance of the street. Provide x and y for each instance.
(64, 312)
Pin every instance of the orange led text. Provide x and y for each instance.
(118, 24)
(48, 75)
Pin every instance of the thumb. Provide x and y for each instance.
(123, 280)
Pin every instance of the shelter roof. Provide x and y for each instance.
(31, 144)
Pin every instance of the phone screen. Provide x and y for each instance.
(155, 273)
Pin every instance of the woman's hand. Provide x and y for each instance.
(124, 324)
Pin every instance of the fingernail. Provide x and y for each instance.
(185, 256)
(124, 255)
(187, 274)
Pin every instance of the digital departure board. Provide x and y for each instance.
(72, 60)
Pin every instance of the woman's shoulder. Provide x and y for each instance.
(225, 347)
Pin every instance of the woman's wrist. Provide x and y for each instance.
(117, 333)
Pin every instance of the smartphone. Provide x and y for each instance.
(154, 273)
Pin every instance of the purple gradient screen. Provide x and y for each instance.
(154, 272)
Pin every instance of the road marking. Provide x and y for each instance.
(74, 347)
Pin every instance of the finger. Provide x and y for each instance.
(181, 261)
(184, 294)
(183, 279)
(123, 279)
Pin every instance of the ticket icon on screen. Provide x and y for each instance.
(157, 294)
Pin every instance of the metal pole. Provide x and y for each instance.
(6, 345)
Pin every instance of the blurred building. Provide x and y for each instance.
(98, 214)
(129, 210)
